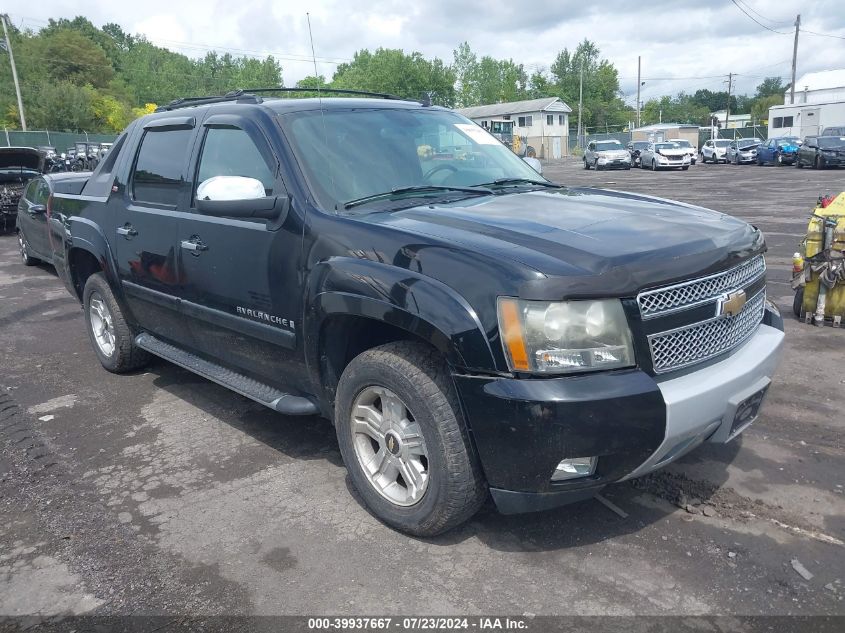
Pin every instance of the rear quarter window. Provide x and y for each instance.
(159, 167)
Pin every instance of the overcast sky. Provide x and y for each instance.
(684, 44)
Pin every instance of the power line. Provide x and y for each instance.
(753, 10)
(838, 37)
(755, 20)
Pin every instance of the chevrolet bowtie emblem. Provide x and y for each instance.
(732, 304)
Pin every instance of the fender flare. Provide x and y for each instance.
(420, 305)
(83, 234)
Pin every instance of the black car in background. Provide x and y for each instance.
(822, 151)
(635, 147)
(33, 218)
(18, 165)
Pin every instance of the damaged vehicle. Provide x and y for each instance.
(18, 165)
(470, 328)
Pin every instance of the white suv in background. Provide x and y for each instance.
(713, 151)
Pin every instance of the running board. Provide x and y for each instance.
(264, 394)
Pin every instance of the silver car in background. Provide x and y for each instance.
(606, 155)
(743, 150)
(664, 155)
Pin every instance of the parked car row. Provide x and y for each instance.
(20, 165)
(814, 151)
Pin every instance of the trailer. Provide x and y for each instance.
(805, 119)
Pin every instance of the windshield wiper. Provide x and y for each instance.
(416, 189)
(521, 181)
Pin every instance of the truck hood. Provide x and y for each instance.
(595, 242)
(24, 157)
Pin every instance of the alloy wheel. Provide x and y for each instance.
(389, 446)
(22, 247)
(102, 324)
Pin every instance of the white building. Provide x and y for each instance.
(736, 120)
(543, 122)
(819, 103)
(823, 87)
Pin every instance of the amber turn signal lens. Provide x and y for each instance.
(512, 334)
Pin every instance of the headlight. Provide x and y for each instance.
(563, 337)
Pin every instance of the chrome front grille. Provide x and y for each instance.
(688, 294)
(701, 341)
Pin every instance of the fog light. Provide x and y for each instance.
(574, 468)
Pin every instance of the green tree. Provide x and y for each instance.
(601, 95)
(62, 105)
(465, 67)
(396, 72)
(761, 105)
(770, 86)
(70, 56)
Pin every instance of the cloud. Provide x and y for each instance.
(696, 43)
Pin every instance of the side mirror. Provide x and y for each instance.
(268, 208)
(238, 197)
(37, 208)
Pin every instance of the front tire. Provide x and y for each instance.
(404, 441)
(110, 334)
(818, 164)
(653, 165)
(586, 165)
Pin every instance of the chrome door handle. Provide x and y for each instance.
(194, 245)
(127, 230)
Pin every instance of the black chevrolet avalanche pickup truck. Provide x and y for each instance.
(469, 327)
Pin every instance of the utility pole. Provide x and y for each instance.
(639, 83)
(3, 19)
(728, 109)
(580, 101)
(794, 60)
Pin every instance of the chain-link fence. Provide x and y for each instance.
(60, 140)
(732, 133)
(622, 137)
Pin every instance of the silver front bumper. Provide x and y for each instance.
(701, 405)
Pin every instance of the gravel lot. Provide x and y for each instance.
(160, 492)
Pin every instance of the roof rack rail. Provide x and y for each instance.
(363, 93)
(238, 96)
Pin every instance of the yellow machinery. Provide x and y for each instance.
(820, 267)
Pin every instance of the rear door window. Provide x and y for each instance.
(159, 167)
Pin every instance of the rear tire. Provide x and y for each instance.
(105, 322)
(26, 258)
(414, 375)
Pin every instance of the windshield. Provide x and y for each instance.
(666, 146)
(683, 143)
(351, 154)
(784, 142)
(829, 142)
(722, 143)
(608, 146)
(640, 144)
